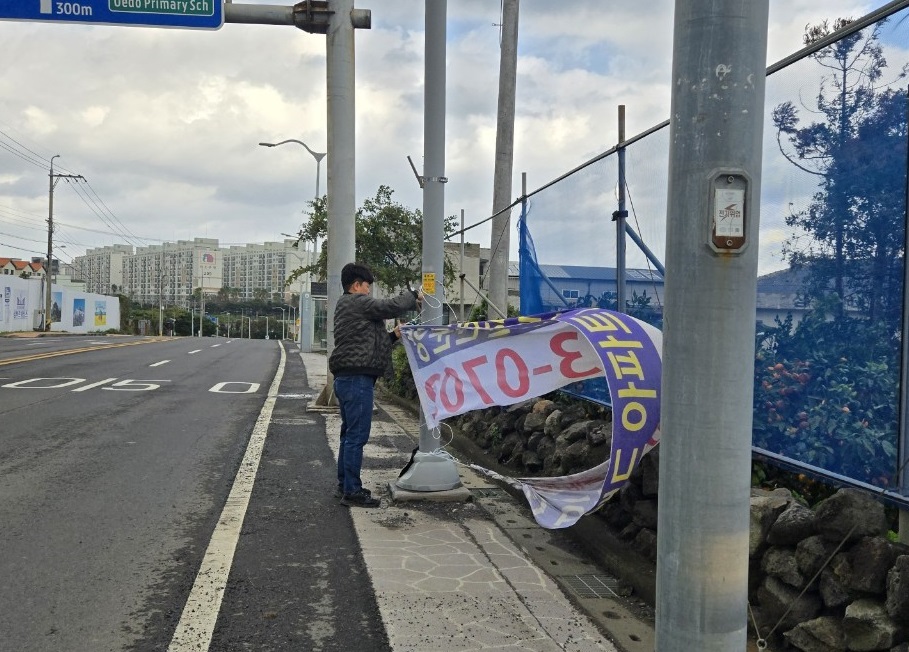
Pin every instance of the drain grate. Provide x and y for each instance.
(592, 586)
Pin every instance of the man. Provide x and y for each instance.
(362, 353)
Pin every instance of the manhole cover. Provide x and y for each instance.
(593, 586)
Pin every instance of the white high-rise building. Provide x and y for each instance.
(261, 270)
(170, 272)
(101, 269)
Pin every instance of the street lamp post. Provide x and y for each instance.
(228, 325)
(316, 155)
(282, 321)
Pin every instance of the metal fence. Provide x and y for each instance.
(832, 327)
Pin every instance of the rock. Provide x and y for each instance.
(812, 553)
(650, 472)
(629, 532)
(868, 627)
(576, 457)
(644, 513)
(574, 432)
(553, 424)
(534, 422)
(780, 563)
(646, 543)
(776, 598)
(523, 406)
(850, 514)
(902, 647)
(506, 421)
(600, 433)
(765, 509)
(615, 516)
(533, 442)
(545, 447)
(793, 525)
(824, 634)
(531, 461)
(504, 450)
(572, 414)
(544, 406)
(516, 459)
(870, 560)
(898, 590)
(629, 494)
(833, 590)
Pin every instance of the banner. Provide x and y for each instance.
(463, 367)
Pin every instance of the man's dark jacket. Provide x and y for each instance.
(362, 345)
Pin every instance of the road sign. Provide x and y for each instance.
(198, 14)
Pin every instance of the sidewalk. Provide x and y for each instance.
(470, 575)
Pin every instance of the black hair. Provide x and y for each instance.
(353, 272)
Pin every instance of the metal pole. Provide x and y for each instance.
(501, 224)
(902, 458)
(461, 292)
(717, 111)
(619, 217)
(46, 326)
(429, 472)
(341, 163)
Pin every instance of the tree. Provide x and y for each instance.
(389, 240)
(855, 219)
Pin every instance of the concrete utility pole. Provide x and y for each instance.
(430, 472)
(52, 183)
(718, 74)
(501, 193)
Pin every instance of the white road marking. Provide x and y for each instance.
(215, 346)
(92, 385)
(197, 622)
(196, 351)
(158, 364)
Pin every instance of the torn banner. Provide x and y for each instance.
(463, 367)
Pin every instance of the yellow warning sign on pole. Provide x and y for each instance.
(429, 283)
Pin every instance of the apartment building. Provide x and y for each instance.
(255, 267)
(171, 271)
(101, 269)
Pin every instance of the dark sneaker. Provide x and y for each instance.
(339, 492)
(361, 498)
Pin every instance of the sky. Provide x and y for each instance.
(163, 124)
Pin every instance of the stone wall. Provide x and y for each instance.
(821, 579)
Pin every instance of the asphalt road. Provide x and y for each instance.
(116, 458)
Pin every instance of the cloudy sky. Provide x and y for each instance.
(164, 123)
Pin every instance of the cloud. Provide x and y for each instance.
(165, 123)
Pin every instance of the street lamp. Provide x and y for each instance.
(316, 155)
(282, 320)
(228, 325)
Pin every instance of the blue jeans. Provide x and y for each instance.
(355, 396)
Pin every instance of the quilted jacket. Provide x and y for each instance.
(362, 345)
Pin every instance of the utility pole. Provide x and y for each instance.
(52, 183)
(501, 224)
(718, 75)
(429, 472)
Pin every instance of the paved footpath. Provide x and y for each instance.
(446, 575)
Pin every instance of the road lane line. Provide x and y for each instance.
(53, 354)
(196, 351)
(158, 364)
(197, 622)
(215, 346)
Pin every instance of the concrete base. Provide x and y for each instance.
(430, 472)
(458, 495)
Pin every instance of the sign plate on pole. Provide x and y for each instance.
(198, 14)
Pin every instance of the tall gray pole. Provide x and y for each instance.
(430, 472)
(341, 178)
(504, 164)
(718, 66)
(46, 325)
(620, 219)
